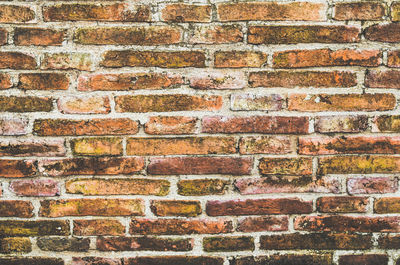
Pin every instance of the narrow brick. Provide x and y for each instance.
(383, 33)
(176, 208)
(368, 259)
(35, 188)
(17, 61)
(15, 208)
(279, 259)
(98, 146)
(39, 37)
(387, 205)
(31, 261)
(98, 227)
(42, 148)
(382, 79)
(386, 123)
(239, 59)
(5, 80)
(43, 81)
(14, 245)
(58, 244)
(342, 204)
(216, 34)
(202, 187)
(16, 14)
(67, 61)
(371, 185)
(163, 125)
(264, 223)
(167, 260)
(228, 244)
(186, 13)
(13, 126)
(96, 261)
(3, 36)
(218, 79)
(393, 59)
(143, 244)
(34, 228)
(84, 105)
(359, 11)
(271, 102)
(341, 123)
(389, 241)
(265, 145)
(17, 168)
(395, 11)
(285, 166)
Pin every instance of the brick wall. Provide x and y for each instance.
(199, 133)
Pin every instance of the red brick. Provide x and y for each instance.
(39, 37)
(279, 259)
(338, 223)
(3, 36)
(271, 102)
(342, 204)
(17, 168)
(13, 208)
(180, 59)
(179, 226)
(5, 81)
(91, 207)
(393, 60)
(99, 146)
(84, 105)
(96, 12)
(326, 57)
(43, 81)
(265, 145)
(341, 123)
(16, 14)
(202, 187)
(388, 241)
(271, 11)
(387, 205)
(17, 228)
(167, 103)
(143, 244)
(13, 126)
(64, 127)
(67, 61)
(186, 13)
(370, 185)
(91, 166)
(258, 207)
(341, 102)
(98, 227)
(218, 79)
(285, 166)
(302, 34)
(167, 260)
(153, 35)
(176, 208)
(181, 146)
(161, 125)
(36, 188)
(228, 244)
(294, 79)
(17, 60)
(265, 223)
(25, 104)
(216, 34)
(111, 82)
(31, 261)
(97, 186)
(359, 11)
(96, 261)
(200, 166)
(383, 32)
(382, 79)
(255, 124)
(386, 123)
(46, 148)
(239, 59)
(368, 259)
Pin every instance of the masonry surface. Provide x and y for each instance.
(199, 132)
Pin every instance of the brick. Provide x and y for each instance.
(316, 241)
(239, 59)
(17, 168)
(66, 127)
(341, 123)
(258, 207)
(130, 58)
(15, 245)
(341, 223)
(202, 187)
(176, 208)
(95, 261)
(91, 207)
(287, 184)
(44, 148)
(14, 208)
(395, 11)
(128, 81)
(265, 145)
(67, 61)
(387, 205)
(228, 244)
(358, 164)
(264, 223)
(31, 261)
(179, 226)
(382, 79)
(255, 124)
(271, 102)
(58, 244)
(154, 35)
(216, 34)
(16, 228)
(163, 125)
(39, 36)
(178, 260)
(200, 166)
(84, 105)
(96, 12)
(98, 227)
(386, 123)
(143, 244)
(369, 259)
(217, 79)
(342, 204)
(393, 59)
(98, 146)
(97, 186)
(17, 61)
(371, 185)
(36, 188)
(279, 259)
(383, 33)
(388, 241)
(359, 11)
(3, 36)
(181, 146)
(5, 81)
(43, 81)
(285, 166)
(326, 57)
(167, 103)
(271, 11)
(302, 34)
(186, 13)
(341, 102)
(348, 145)
(16, 14)
(91, 166)
(294, 79)
(13, 126)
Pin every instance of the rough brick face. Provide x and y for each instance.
(214, 132)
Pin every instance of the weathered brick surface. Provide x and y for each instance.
(199, 132)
